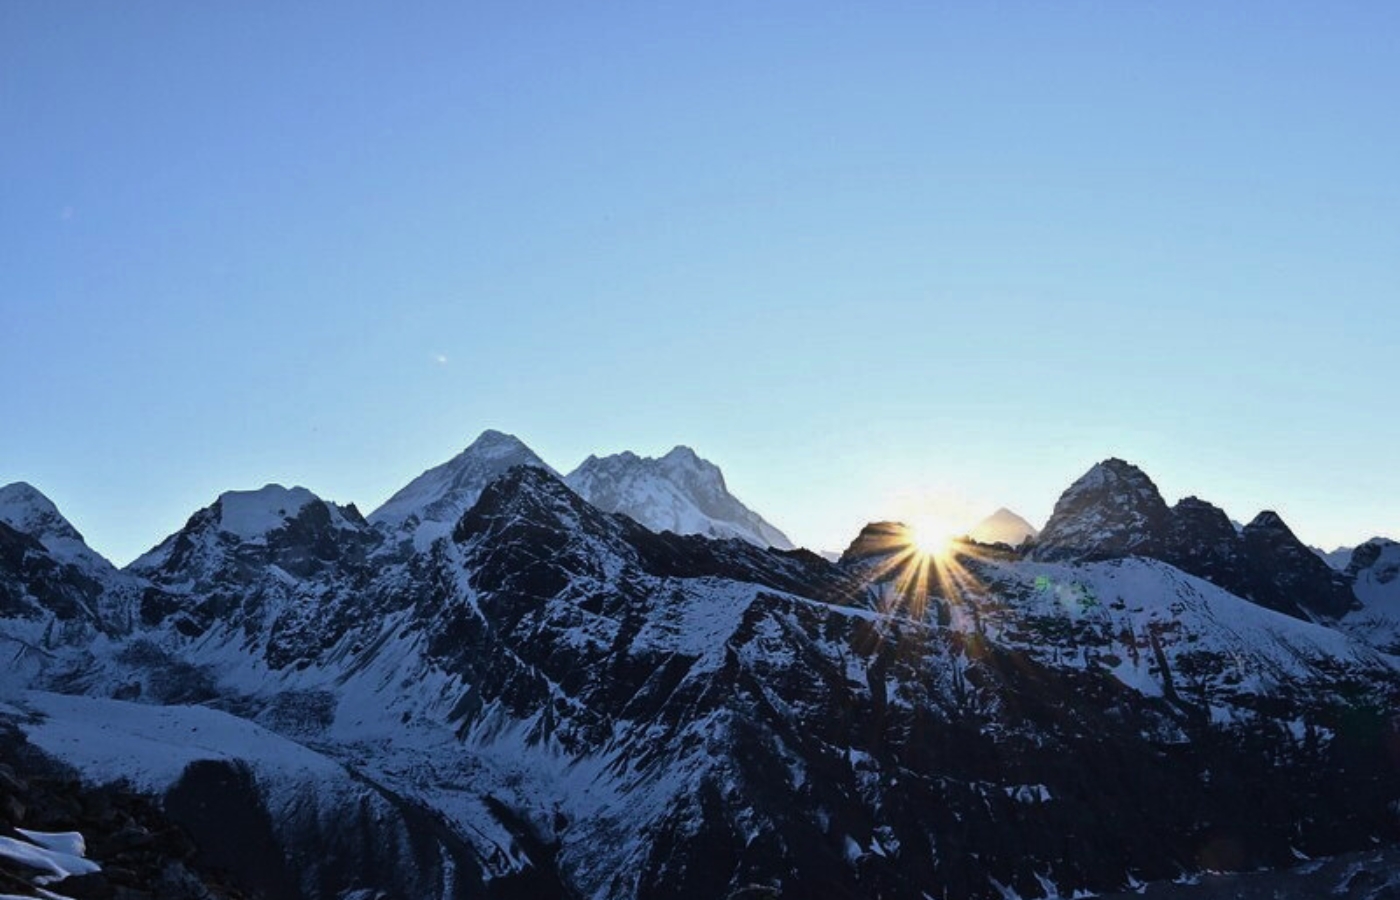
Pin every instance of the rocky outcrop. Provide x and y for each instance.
(1112, 510)
(1115, 511)
(142, 854)
(1288, 576)
(264, 563)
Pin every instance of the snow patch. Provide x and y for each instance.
(252, 514)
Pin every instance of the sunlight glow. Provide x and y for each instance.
(921, 570)
(931, 537)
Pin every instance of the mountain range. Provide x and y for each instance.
(679, 492)
(624, 683)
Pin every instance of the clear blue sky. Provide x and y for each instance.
(854, 253)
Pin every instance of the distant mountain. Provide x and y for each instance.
(1375, 574)
(1337, 559)
(680, 492)
(1003, 527)
(428, 506)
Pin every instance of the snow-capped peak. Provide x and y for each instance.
(679, 492)
(683, 454)
(429, 505)
(1382, 555)
(24, 508)
(251, 514)
(1374, 572)
(493, 444)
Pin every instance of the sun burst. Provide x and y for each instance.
(923, 570)
(931, 537)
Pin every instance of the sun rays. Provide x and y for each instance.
(931, 537)
(921, 568)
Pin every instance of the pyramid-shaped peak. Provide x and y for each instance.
(493, 442)
(527, 484)
(1003, 527)
(685, 459)
(20, 495)
(1268, 520)
(1194, 517)
(526, 497)
(25, 508)
(1110, 476)
(1112, 470)
(1111, 510)
(682, 453)
(433, 502)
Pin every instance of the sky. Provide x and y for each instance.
(868, 258)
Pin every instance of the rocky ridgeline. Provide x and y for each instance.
(550, 700)
(1115, 510)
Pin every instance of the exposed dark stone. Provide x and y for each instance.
(1289, 576)
(1113, 510)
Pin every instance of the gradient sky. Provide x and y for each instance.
(866, 257)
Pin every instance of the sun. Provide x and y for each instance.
(931, 537)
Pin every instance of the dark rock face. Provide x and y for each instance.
(1113, 510)
(406, 854)
(206, 575)
(1204, 542)
(1379, 557)
(845, 758)
(1260, 564)
(1288, 576)
(217, 800)
(34, 582)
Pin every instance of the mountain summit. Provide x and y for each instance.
(680, 492)
(1003, 527)
(24, 508)
(1113, 509)
(429, 505)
